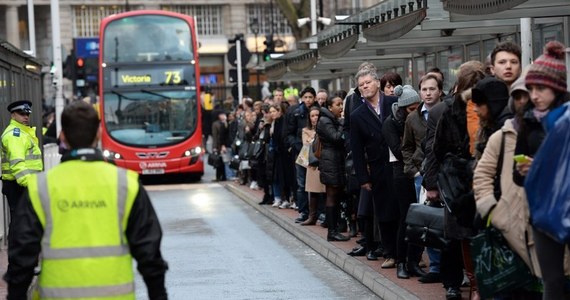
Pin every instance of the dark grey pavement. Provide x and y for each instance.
(218, 247)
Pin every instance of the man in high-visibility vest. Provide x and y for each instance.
(88, 218)
(20, 152)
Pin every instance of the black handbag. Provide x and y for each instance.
(215, 160)
(234, 163)
(455, 183)
(425, 226)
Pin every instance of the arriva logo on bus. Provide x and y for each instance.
(136, 78)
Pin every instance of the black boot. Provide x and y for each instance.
(401, 271)
(333, 234)
(353, 230)
(415, 270)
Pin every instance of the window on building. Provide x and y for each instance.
(208, 17)
(86, 18)
(267, 19)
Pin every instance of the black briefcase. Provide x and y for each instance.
(425, 226)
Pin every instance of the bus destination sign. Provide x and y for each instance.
(156, 76)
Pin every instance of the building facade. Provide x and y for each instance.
(217, 22)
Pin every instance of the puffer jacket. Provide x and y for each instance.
(331, 163)
(510, 214)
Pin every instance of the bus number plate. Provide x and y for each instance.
(152, 171)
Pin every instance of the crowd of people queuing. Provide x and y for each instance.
(381, 148)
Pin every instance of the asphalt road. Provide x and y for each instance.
(218, 247)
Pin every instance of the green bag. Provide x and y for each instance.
(497, 268)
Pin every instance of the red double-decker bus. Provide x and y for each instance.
(149, 86)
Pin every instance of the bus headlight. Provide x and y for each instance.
(193, 152)
(111, 155)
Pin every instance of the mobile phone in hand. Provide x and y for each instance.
(521, 158)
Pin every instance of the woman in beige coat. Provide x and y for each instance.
(313, 183)
(510, 213)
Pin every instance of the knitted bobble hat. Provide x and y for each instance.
(549, 69)
(406, 95)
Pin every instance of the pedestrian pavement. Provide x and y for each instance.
(383, 282)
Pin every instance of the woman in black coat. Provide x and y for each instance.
(331, 162)
(407, 256)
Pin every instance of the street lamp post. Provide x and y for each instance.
(254, 27)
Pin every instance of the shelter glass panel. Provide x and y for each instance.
(454, 60)
(544, 35)
(488, 46)
(474, 52)
(430, 61)
(420, 67)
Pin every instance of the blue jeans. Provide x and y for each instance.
(230, 173)
(302, 198)
(418, 184)
(434, 259)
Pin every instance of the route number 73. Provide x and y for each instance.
(172, 77)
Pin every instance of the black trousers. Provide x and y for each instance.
(452, 265)
(13, 192)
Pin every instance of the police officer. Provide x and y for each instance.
(89, 218)
(20, 151)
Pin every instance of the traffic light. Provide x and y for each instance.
(80, 68)
(269, 47)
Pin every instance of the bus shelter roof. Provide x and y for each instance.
(429, 27)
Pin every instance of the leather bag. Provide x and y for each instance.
(317, 147)
(425, 226)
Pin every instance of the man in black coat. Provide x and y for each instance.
(371, 163)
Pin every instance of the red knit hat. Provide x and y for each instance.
(549, 69)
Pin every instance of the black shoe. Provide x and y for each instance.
(266, 200)
(302, 218)
(401, 271)
(379, 252)
(336, 236)
(360, 241)
(415, 270)
(371, 256)
(357, 251)
(430, 278)
(453, 293)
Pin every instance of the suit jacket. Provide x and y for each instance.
(371, 156)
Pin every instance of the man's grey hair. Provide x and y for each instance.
(367, 65)
(366, 72)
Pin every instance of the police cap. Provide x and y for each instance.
(21, 105)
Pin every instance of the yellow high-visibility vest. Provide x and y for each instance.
(21, 153)
(84, 248)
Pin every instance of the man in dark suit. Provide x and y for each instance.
(371, 163)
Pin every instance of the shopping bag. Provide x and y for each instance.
(498, 269)
(303, 157)
(547, 184)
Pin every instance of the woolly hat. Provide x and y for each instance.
(406, 95)
(549, 69)
(492, 92)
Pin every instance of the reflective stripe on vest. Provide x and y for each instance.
(50, 253)
(85, 292)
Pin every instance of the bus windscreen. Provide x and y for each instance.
(147, 38)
